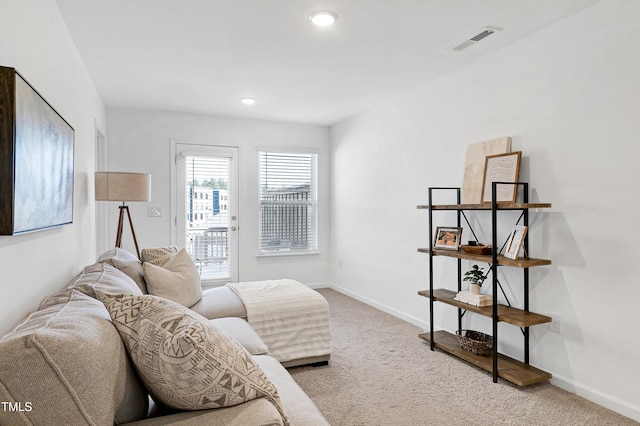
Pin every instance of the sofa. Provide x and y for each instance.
(105, 351)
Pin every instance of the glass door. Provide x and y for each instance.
(207, 218)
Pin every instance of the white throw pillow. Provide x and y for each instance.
(178, 279)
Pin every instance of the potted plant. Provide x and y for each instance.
(476, 277)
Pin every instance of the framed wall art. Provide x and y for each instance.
(36, 159)
(474, 166)
(501, 168)
(447, 238)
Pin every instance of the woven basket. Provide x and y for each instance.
(475, 342)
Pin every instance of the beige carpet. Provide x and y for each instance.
(381, 373)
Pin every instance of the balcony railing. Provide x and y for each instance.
(209, 248)
(209, 245)
(285, 219)
(285, 225)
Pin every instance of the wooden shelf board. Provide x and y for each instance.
(508, 368)
(522, 262)
(486, 206)
(508, 314)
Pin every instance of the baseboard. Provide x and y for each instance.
(594, 395)
(418, 322)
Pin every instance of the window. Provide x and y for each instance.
(288, 203)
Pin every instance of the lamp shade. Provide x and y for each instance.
(123, 186)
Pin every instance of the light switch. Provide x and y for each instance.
(154, 211)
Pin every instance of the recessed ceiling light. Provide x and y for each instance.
(323, 18)
(248, 101)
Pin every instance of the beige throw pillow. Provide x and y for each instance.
(177, 280)
(185, 361)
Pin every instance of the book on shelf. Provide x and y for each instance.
(474, 299)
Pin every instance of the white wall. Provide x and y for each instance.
(568, 95)
(36, 42)
(570, 98)
(141, 140)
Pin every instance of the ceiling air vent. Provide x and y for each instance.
(484, 33)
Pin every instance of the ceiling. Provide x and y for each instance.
(202, 56)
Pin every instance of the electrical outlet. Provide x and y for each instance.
(556, 323)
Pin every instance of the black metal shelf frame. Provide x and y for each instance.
(493, 266)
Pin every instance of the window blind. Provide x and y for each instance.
(288, 203)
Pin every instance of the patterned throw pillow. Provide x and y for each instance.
(177, 280)
(158, 255)
(184, 361)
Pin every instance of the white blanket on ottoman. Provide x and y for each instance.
(291, 318)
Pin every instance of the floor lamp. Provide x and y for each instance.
(122, 186)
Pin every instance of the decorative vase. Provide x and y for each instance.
(475, 288)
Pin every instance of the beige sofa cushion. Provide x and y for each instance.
(297, 404)
(255, 412)
(177, 280)
(126, 262)
(220, 302)
(300, 408)
(69, 362)
(102, 276)
(244, 334)
(186, 362)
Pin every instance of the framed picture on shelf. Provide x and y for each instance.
(447, 238)
(501, 168)
(514, 242)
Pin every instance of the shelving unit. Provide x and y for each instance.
(518, 372)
